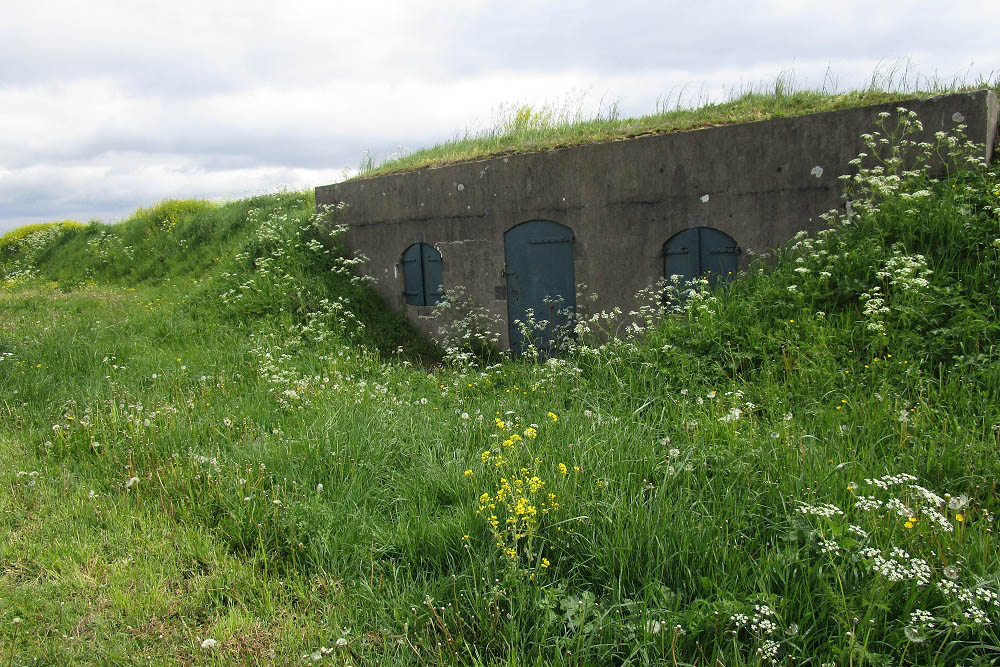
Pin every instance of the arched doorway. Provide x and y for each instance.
(701, 251)
(540, 278)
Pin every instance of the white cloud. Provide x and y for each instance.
(108, 105)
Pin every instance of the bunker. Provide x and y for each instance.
(522, 231)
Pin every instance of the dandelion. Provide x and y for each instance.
(131, 482)
(914, 634)
(208, 643)
(958, 502)
(960, 517)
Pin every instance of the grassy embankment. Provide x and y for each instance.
(219, 449)
(525, 128)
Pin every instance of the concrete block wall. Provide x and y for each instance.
(758, 182)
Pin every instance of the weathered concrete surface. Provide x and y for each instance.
(758, 182)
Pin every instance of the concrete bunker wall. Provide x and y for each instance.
(759, 183)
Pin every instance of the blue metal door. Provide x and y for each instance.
(422, 281)
(433, 283)
(413, 276)
(540, 278)
(701, 251)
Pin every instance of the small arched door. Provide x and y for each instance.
(422, 282)
(540, 278)
(701, 251)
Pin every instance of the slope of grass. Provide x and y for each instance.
(226, 461)
(523, 128)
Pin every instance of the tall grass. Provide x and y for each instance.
(230, 461)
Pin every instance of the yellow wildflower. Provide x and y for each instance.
(545, 562)
(960, 517)
(553, 416)
(562, 469)
(468, 473)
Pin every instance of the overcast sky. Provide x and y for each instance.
(109, 105)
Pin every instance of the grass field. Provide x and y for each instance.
(220, 448)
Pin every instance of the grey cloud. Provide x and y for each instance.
(698, 37)
(111, 187)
